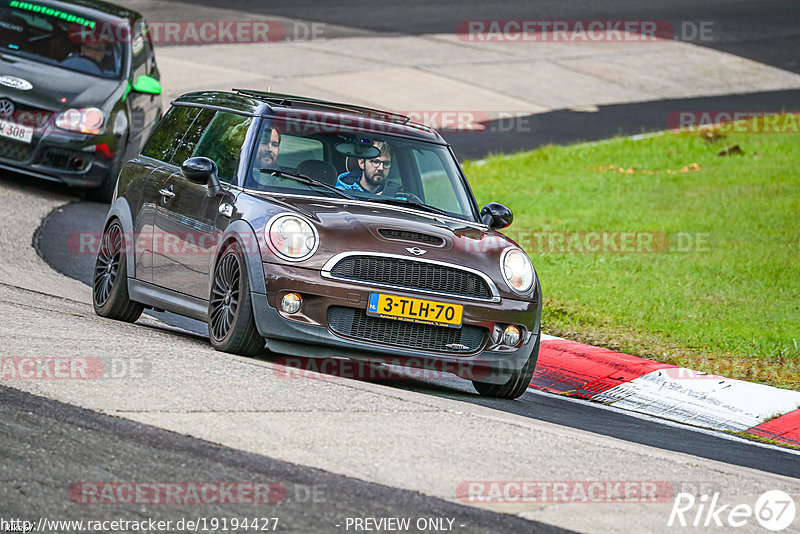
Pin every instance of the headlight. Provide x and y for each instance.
(291, 237)
(89, 120)
(517, 270)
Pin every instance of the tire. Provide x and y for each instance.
(518, 382)
(110, 281)
(231, 323)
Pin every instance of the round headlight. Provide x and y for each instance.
(517, 270)
(291, 237)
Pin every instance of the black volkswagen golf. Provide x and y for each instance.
(319, 230)
(79, 91)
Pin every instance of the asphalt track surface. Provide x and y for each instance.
(766, 31)
(89, 217)
(75, 443)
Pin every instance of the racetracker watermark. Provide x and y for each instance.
(197, 32)
(164, 243)
(583, 31)
(391, 369)
(567, 492)
(734, 121)
(177, 493)
(72, 368)
(399, 121)
(595, 242)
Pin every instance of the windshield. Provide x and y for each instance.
(376, 168)
(59, 38)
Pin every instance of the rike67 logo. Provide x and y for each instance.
(774, 510)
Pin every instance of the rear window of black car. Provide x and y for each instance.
(62, 38)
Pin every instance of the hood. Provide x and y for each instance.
(345, 226)
(51, 84)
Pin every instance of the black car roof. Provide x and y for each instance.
(267, 104)
(93, 8)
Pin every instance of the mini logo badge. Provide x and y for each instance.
(456, 346)
(16, 83)
(6, 108)
(416, 251)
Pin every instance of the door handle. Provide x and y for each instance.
(166, 194)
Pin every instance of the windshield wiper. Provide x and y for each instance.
(302, 178)
(409, 203)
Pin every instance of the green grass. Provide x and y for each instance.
(723, 296)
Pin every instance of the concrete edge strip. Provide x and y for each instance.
(667, 391)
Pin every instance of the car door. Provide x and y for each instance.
(160, 151)
(189, 220)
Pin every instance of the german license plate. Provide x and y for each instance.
(415, 310)
(16, 131)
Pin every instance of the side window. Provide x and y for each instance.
(141, 50)
(436, 184)
(169, 133)
(192, 137)
(294, 150)
(222, 142)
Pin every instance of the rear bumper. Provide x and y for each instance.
(308, 335)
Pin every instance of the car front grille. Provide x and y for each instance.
(412, 275)
(355, 323)
(15, 150)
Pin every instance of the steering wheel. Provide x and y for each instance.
(411, 197)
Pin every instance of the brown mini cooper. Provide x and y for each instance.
(319, 230)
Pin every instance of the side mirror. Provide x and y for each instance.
(147, 84)
(202, 171)
(496, 215)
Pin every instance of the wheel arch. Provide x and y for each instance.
(121, 210)
(241, 232)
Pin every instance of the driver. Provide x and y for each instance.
(371, 175)
(93, 51)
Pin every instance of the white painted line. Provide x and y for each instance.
(666, 422)
(699, 399)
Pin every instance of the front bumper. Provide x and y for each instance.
(307, 334)
(69, 158)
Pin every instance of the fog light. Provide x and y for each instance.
(291, 303)
(511, 336)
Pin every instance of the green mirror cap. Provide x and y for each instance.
(147, 84)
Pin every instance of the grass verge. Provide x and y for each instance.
(663, 248)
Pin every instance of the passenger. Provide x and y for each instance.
(371, 175)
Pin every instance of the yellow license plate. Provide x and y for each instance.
(415, 310)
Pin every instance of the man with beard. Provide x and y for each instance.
(267, 156)
(371, 175)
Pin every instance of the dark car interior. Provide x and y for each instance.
(51, 40)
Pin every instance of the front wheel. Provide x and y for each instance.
(110, 283)
(517, 383)
(231, 324)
